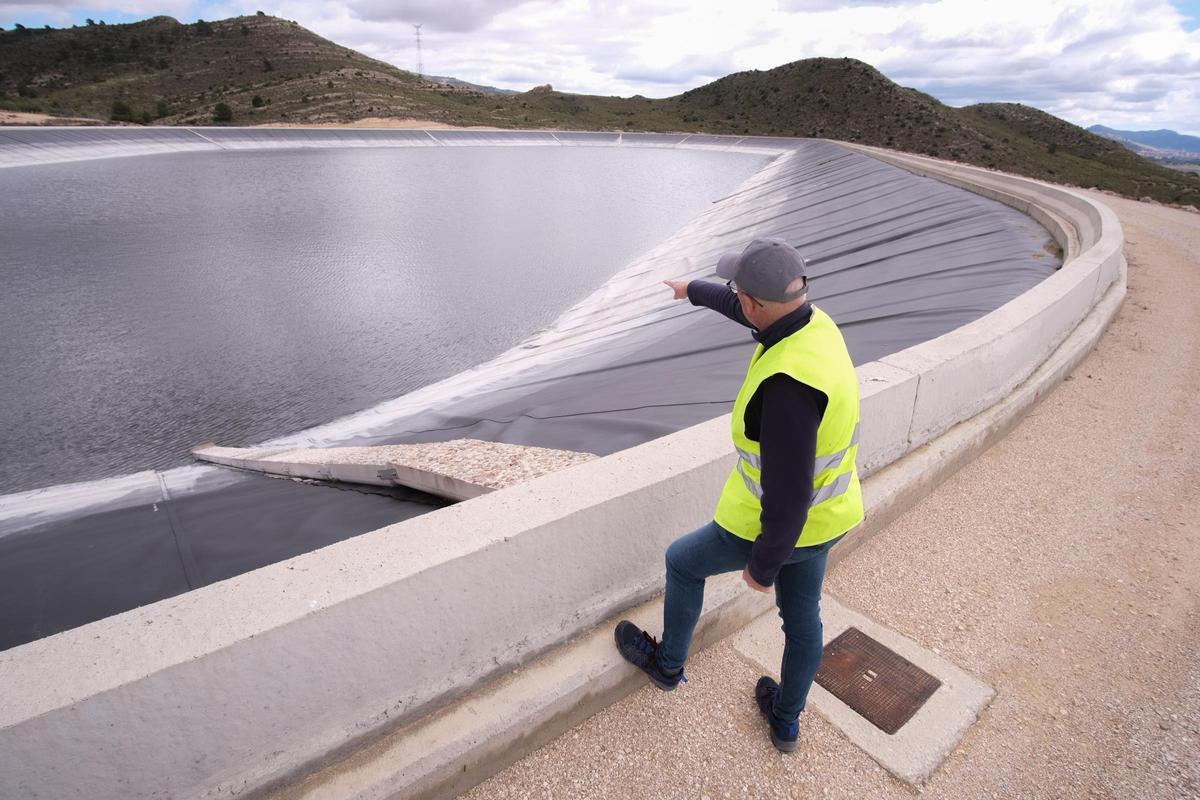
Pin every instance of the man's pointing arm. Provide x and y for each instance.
(711, 295)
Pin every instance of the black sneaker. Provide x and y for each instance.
(640, 649)
(783, 734)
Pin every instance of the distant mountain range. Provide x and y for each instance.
(1165, 147)
(468, 85)
(260, 69)
(1161, 139)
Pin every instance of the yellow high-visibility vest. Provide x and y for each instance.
(815, 355)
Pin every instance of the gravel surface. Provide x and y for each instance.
(1062, 566)
(493, 464)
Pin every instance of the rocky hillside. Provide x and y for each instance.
(264, 70)
(243, 71)
(825, 97)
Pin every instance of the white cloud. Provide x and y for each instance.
(65, 10)
(1121, 63)
(460, 16)
(1128, 63)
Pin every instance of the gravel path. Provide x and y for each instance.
(1062, 566)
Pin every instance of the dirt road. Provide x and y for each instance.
(1062, 567)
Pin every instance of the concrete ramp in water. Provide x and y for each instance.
(455, 470)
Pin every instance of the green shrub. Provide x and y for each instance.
(121, 112)
(222, 113)
(257, 102)
(20, 105)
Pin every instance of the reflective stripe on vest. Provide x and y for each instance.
(831, 461)
(820, 495)
(751, 484)
(750, 458)
(834, 460)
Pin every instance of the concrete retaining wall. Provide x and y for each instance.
(249, 683)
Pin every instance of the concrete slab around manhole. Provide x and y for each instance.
(922, 743)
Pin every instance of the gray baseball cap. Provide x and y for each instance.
(766, 269)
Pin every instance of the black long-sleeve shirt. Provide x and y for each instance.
(783, 417)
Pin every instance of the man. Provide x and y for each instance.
(794, 491)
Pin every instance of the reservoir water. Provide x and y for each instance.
(153, 303)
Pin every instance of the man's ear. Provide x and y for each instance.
(797, 285)
(747, 305)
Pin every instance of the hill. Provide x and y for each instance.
(163, 72)
(263, 70)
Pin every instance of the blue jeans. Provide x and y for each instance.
(711, 550)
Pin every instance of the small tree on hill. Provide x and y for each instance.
(222, 113)
(121, 112)
(257, 102)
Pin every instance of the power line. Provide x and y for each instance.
(420, 66)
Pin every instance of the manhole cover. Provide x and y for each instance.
(882, 686)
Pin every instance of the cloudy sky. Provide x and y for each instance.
(1131, 64)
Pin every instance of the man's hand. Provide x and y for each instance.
(753, 584)
(680, 288)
